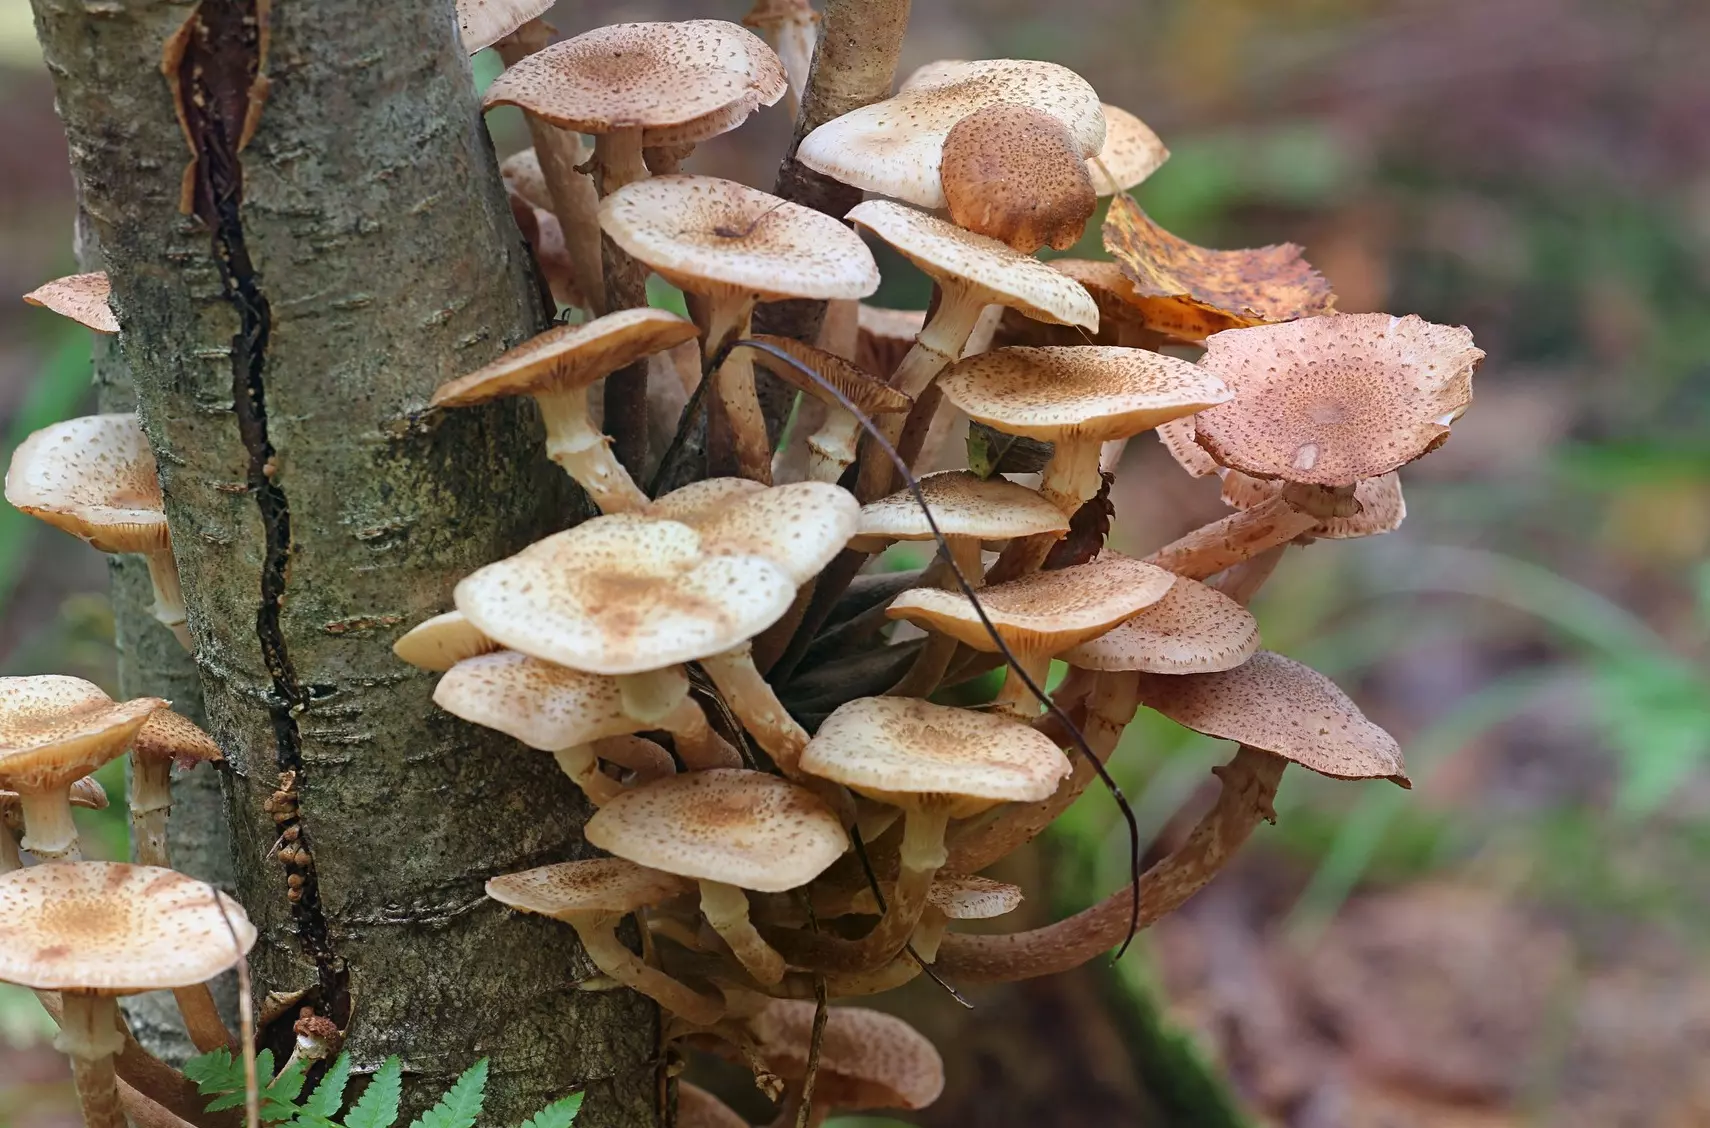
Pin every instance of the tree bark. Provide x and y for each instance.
(284, 338)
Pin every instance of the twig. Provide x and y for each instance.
(246, 1020)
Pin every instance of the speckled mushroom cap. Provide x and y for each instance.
(964, 505)
(679, 82)
(544, 705)
(894, 147)
(482, 23)
(697, 1108)
(86, 793)
(1177, 437)
(700, 233)
(593, 885)
(1045, 612)
(95, 478)
(569, 356)
(1331, 400)
(870, 395)
(888, 748)
(867, 1059)
(944, 250)
(750, 829)
(1382, 507)
(623, 594)
(1131, 153)
(1118, 302)
(1193, 629)
(1285, 708)
(1016, 174)
(968, 896)
(799, 527)
(107, 928)
(441, 642)
(54, 729)
(172, 736)
(81, 297)
(1091, 392)
(699, 502)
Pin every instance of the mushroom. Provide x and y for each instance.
(96, 930)
(867, 1059)
(1381, 509)
(1039, 616)
(165, 738)
(697, 1108)
(593, 896)
(700, 502)
(1131, 153)
(483, 23)
(54, 730)
(81, 297)
(1193, 629)
(735, 246)
(731, 830)
(936, 763)
(1223, 544)
(86, 792)
(557, 368)
(441, 642)
(95, 478)
(790, 27)
(953, 896)
(831, 448)
(1016, 174)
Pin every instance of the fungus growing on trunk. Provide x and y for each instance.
(81, 297)
(831, 448)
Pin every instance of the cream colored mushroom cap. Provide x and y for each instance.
(1382, 507)
(1109, 287)
(441, 642)
(964, 505)
(895, 147)
(1278, 705)
(108, 928)
(593, 885)
(869, 394)
(172, 736)
(699, 502)
(622, 594)
(1194, 629)
(1331, 400)
(55, 729)
(544, 705)
(1177, 437)
(569, 356)
(81, 297)
(482, 23)
(968, 896)
(750, 829)
(703, 234)
(1007, 277)
(799, 527)
(1045, 612)
(891, 748)
(95, 478)
(1091, 392)
(867, 1059)
(678, 82)
(1131, 153)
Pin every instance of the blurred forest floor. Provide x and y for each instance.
(1520, 940)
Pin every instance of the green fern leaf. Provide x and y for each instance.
(558, 1114)
(231, 1085)
(328, 1097)
(461, 1103)
(214, 1071)
(378, 1105)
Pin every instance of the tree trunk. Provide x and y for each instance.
(284, 339)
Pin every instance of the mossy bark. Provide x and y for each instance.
(283, 339)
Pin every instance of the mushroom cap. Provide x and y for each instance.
(81, 297)
(1007, 277)
(677, 82)
(964, 505)
(1382, 507)
(870, 395)
(1091, 392)
(895, 147)
(568, 356)
(1194, 629)
(441, 642)
(622, 594)
(1131, 153)
(108, 928)
(55, 729)
(1044, 612)
(968, 896)
(750, 829)
(524, 176)
(1178, 438)
(1328, 401)
(172, 736)
(867, 1059)
(482, 23)
(1278, 705)
(703, 234)
(697, 1108)
(799, 527)
(593, 885)
(699, 502)
(1221, 289)
(1016, 174)
(896, 748)
(544, 705)
(95, 478)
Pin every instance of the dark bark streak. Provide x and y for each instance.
(218, 75)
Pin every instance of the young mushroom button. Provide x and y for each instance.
(1015, 174)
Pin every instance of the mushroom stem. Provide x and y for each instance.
(1249, 783)
(831, 449)
(10, 859)
(49, 832)
(1240, 536)
(726, 909)
(582, 765)
(1014, 699)
(168, 596)
(1071, 477)
(929, 934)
(202, 1019)
(617, 155)
(728, 320)
(698, 746)
(89, 1036)
(598, 933)
(151, 802)
(652, 695)
(1242, 582)
(934, 658)
(585, 453)
(755, 704)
